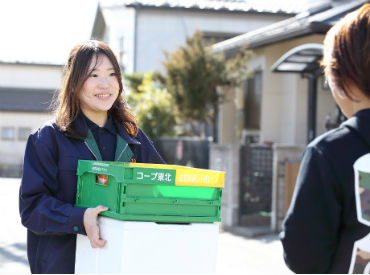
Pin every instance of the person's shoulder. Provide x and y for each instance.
(47, 131)
(141, 135)
(337, 144)
(332, 138)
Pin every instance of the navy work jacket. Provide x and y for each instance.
(48, 191)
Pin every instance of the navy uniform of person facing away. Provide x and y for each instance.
(92, 122)
(322, 226)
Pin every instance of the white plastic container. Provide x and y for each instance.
(150, 248)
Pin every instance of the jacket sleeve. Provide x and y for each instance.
(148, 154)
(310, 230)
(40, 209)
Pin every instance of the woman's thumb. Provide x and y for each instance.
(101, 208)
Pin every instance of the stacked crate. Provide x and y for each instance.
(177, 206)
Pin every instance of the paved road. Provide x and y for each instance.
(236, 254)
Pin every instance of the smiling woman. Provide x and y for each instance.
(93, 70)
(93, 122)
(99, 91)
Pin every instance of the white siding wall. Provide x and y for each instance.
(24, 76)
(30, 76)
(120, 23)
(160, 29)
(12, 151)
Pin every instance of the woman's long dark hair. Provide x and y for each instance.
(76, 72)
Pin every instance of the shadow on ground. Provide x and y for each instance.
(13, 252)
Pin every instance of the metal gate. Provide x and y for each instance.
(255, 184)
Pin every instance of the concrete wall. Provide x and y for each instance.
(225, 157)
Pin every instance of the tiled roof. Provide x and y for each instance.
(25, 100)
(269, 6)
(302, 24)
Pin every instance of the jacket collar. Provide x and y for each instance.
(122, 132)
(79, 130)
(359, 123)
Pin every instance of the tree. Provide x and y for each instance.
(152, 105)
(193, 74)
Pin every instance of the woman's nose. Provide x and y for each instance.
(103, 82)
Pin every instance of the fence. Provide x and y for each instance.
(285, 169)
(255, 184)
(11, 170)
(192, 152)
(259, 182)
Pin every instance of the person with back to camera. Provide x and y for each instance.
(321, 226)
(93, 122)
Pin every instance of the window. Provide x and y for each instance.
(8, 133)
(215, 37)
(23, 133)
(252, 101)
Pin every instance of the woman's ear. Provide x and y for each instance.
(354, 92)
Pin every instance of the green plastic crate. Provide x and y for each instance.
(147, 193)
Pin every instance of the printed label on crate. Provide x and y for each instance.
(99, 167)
(185, 177)
(163, 177)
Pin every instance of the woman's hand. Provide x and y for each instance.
(92, 227)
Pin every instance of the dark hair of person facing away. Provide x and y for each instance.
(346, 52)
(76, 71)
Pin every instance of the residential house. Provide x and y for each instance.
(272, 108)
(31, 66)
(141, 30)
(41, 33)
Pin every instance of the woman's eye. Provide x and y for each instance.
(113, 74)
(93, 75)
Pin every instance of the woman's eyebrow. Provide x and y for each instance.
(109, 69)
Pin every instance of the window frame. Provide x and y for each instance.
(7, 138)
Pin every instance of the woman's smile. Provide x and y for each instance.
(99, 91)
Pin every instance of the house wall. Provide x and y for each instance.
(120, 34)
(23, 76)
(285, 98)
(160, 30)
(284, 101)
(166, 29)
(12, 151)
(227, 119)
(30, 76)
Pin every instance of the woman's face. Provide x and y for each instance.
(100, 89)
